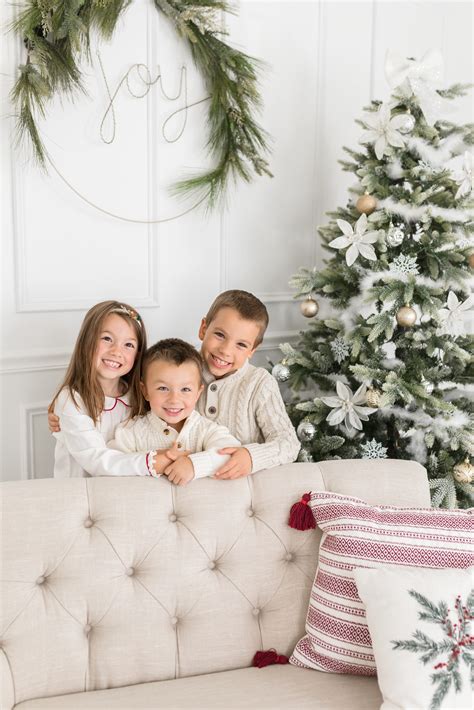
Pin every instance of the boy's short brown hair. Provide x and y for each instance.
(172, 350)
(248, 306)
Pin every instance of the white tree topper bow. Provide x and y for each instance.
(422, 78)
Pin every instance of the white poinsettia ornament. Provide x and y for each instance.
(384, 130)
(464, 177)
(452, 318)
(358, 240)
(348, 407)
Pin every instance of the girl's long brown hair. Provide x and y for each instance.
(81, 375)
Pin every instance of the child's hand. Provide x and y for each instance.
(180, 471)
(239, 464)
(53, 423)
(174, 453)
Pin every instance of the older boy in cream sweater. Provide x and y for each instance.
(239, 395)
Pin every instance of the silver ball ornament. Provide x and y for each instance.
(309, 307)
(306, 431)
(281, 372)
(395, 235)
(408, 124)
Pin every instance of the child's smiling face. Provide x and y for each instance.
(228, 341)
(116, 353)
(172, 390)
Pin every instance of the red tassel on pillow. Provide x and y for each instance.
(268, 658)
(301, 515)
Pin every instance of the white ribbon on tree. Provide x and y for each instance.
(422, 77)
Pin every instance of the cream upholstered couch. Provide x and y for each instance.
(132, 593)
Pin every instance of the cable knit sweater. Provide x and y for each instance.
(199, 435)
(250, 404)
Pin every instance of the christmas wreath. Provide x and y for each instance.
(56, 34)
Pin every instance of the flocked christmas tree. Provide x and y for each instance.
(389, 368)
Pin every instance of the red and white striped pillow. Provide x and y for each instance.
(356, 534)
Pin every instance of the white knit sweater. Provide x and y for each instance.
(82, 445)
(250, 404)
(199, 435)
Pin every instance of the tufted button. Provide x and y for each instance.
(174, 620)
(211, 564)
(289, 557)
(250, 513)
(166, 431)
(41, 580)
(180, 446)
(130, 571)
(213, 388)
(173, 518)
(255, 611)
(212, 410)
(88, 523)
(87, 629)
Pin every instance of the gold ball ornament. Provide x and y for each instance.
(470, 260)
(309, 307)
(366, 204)
(373, 397)
(406, 316)
(464, 472)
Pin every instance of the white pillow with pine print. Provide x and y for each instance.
(420, 622)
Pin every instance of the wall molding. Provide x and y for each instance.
(24, 301)
(276, 296)
(28, 412)
(273, 340)
(59, 359)
(34, 362)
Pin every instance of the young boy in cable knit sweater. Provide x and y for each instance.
(184, 444)
(239, 395)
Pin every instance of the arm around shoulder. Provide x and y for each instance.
(85, 443)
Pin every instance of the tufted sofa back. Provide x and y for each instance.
(110, 582)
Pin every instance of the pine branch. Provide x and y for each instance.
(57, 36)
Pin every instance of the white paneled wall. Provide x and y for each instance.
(60, 255)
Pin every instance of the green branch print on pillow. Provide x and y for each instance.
(456, 646)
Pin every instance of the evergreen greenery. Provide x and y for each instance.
(56, 34)
(456, 645)
(420, 375)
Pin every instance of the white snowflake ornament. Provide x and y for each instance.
(384, 131)
(340, 349)
(358, 240)
(373, 450)
(452, 318)
(404, 265)
(348, 407)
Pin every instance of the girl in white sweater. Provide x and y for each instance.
(101, 389)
